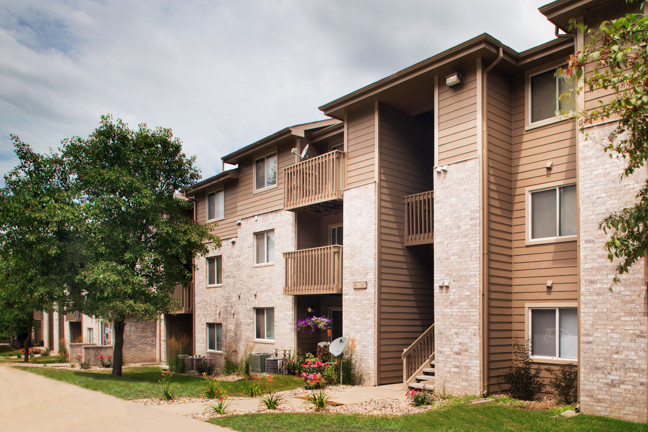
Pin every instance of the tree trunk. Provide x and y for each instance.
(118, 347)
(30, 327)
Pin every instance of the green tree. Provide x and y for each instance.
(616, 59)
(37, 238)
(139, 237)
(99, 228)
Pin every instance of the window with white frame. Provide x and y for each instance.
(264, 247)
(553, 333)
(550, 95)
(215, 336)
(215, 270)
(553, 212)
(264, 323)
(90, 335)
(216, 205)
(265, 172)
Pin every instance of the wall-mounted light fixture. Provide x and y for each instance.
(238, 222)
(549, 284)
(442, 169)
(233, 240)
(454, 79)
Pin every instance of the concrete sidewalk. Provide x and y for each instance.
(29, 402)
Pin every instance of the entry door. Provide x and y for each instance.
(336, 324)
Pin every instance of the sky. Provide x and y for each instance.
(220, 74)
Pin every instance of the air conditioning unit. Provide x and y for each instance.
(258, 362)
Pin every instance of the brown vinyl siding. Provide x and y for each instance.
(241, 200)
(534, 264)
(361, 146)
(405, 293)
(458, 120)
(498, 115)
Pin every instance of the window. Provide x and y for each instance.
(554, 333)
(265, 172)
(215, 337)
(90, 335)
(553, 212)
(105, 333)
(216, 205)
(264, 323)
(336, 235)
(264, 247)
(214, 270)
(551, 95)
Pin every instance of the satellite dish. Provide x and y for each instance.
(338, 345)
(303, 153)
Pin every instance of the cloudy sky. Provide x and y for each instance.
(221, 74)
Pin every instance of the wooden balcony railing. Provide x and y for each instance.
(183, 296)
(314, 271)
(419, 218)
(314, 180)
(418, 353)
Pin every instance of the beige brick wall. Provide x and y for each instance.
(247, 286)
(457, 308)
(359, 264)
(613, 324)
(140, 342)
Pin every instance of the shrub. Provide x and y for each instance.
(292, 366)
(205, 365)
(213, 391)
(565, 383)
(254, 387)
(165, 380)
(230, 367)
(523, 379)
(420, 397)
(350, 373)
(220, 406)
(45, 352)
(83, 364)
(272, 401)
(319, 399)
(106, 362)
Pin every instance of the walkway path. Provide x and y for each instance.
(29, 402)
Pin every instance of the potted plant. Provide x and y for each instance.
(314, 323)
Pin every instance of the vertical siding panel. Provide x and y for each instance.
(406, 306)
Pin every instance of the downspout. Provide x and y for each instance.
(485, 218)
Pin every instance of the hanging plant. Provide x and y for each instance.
(312, 324)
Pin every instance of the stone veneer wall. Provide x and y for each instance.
(359, 264)
(247, 286)
(457, 308)
(613, 324)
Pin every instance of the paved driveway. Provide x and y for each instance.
(30, 402)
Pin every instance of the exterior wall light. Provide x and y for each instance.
(454, 79)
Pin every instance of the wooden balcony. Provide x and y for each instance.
(316, 183)
(314, 271)
(73, 317)
(419, 218)
(183, 296)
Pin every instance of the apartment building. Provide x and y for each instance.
(443, 214)
(85, 337)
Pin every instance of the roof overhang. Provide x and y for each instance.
(292, 131)
(483, 45)
(220, 178)
(561, 12)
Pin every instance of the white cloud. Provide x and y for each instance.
(220, 74)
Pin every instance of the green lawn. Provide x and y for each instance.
(142, 382)
(36, 360)
(455, 418)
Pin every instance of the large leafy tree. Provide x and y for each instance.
(139, 238)
(38, 238)
(616, 59)
(99, 227)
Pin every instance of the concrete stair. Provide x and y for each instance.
(424, 381)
